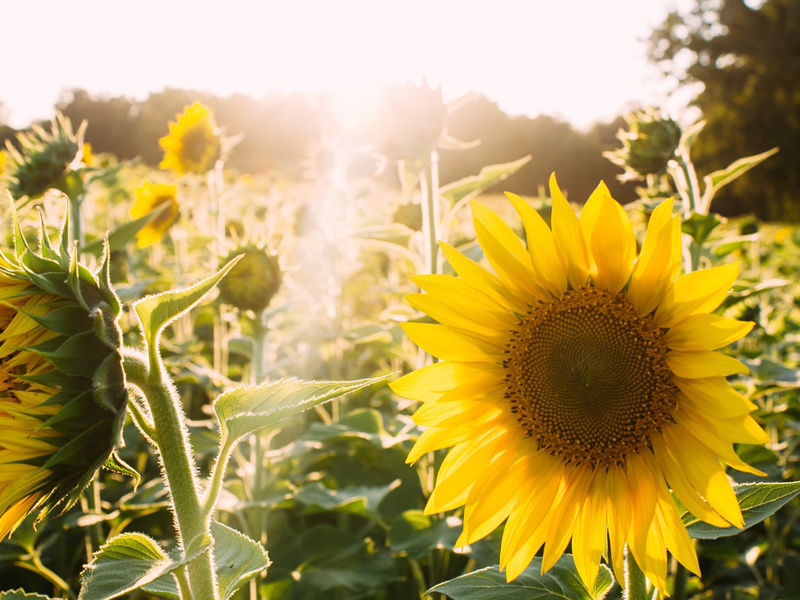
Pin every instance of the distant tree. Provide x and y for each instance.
(746, 55)
(112, 120)
(555, 146)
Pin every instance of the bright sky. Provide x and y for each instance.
(582, 60)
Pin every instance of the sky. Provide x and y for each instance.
(580, 60)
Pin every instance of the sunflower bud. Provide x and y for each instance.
(648, 145)
(194, 141)
(253, 281)
(43, 159)
(63, 395)
(411, 121)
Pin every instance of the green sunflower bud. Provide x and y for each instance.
(411, 121)
(43, 160)
(648, 145)
(253, 281)
(62, 386)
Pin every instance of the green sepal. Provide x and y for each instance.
(66, 320)
(64, 233)
(79, 355)
(105, 280)
(45, 246)
(108, 381)
(106, 327)
(117, 465)
(76, 448)
(58, 380)
(38, 264)
(52, 283)
(77, 407)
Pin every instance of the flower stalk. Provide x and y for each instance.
(178, 466)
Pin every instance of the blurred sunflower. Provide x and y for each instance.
(253, 281)
(42, 160)
(62, 388)
(149, 197)
(579, 384)
(193, 144)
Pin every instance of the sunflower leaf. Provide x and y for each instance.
(126, 563)
(237, 558)
(21, 595)
(562, 581)
(489, 175)
(244, 410)
(757, 501)
(159, 310)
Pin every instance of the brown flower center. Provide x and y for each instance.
(588, 377)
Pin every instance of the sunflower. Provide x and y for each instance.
(149, 197)
(579, 385)
(253, 281)
(62, 389)
(193, 144)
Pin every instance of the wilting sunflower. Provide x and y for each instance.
(62, 388)
(193, 144)
(149, 197)
(579, 383)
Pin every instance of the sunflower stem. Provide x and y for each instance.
(177, 465)
(635, 580)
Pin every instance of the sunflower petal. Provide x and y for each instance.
(706, 332)
(613, 246)
(695, 365)
(545, 256)
(569, 237)
(452, 344)
(695, 293)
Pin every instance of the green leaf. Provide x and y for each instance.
(416, 533)
(359, 500)
(125, 563)
(473, 185)
(562, 581)
(237, 559)
(362, 423)
(124, 233)
(699, 227)
(21, 595)
(245, 410)
(157, 311)
(757, 501)
(117, 465)
(719, 179)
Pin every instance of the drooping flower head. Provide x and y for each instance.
(411, 121)
(150, 196)
(253, 281)
(42, 160)
(193, 144)
(579, 384)
(62, 388)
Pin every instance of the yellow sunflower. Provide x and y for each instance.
(579, 384)
(62, 389)
(193, 144)
(150, 196)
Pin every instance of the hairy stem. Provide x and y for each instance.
(635, 581)
(177, 465)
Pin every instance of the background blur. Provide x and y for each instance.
(307, 78)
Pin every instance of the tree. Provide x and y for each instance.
(746, 55)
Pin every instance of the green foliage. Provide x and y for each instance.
(562, 581)
(127, 562)
(757, 501)
(750, 95)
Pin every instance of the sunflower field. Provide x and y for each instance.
(223, 385)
